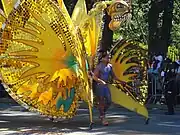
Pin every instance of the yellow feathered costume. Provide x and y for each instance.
(45, 54)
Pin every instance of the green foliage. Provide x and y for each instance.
(173, 53)
(137, 27)
(175, 34)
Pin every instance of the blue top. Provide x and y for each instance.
(105, 71)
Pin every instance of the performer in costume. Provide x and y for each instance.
(102, 75)
(55, 92)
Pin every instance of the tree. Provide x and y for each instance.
(1, 6)
(160, 25)
(175, 33)
(136, 27)
(151, 24)
(107, 35)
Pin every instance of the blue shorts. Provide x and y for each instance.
(103, 91)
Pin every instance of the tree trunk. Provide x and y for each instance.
(160, 28)
(70, 4)
(1, 6)
(107, 35)
(167, 24)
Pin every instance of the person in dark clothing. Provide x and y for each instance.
(170, 96)
(170, 90)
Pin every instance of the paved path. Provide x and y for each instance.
(122, 122)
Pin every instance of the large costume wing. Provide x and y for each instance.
(41, 65)
(2, 21)
(129, 65)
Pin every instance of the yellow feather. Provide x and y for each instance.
(46, 96)
(2, 18)
(79, 13)
(8, 6)
(34, 93)
(63, 7)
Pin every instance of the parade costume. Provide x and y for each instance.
(45, 55)
(102, 91)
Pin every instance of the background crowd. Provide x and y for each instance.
(164, 82)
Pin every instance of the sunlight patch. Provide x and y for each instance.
(1, 121)
(169, 125)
